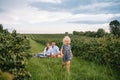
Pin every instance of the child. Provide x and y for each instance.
(66, 52)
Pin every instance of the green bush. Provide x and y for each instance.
(100, 50)
(12, 55)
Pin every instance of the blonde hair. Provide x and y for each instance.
(66, 38)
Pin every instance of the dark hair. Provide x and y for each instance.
(47, 49)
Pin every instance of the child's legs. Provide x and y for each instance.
(68, 66)
(63, 64)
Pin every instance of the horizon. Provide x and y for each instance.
(58, 16)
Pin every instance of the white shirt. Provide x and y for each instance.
(47, 52)
(55, 49)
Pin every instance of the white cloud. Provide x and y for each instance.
(28, 19)
(46, 1)
(92, 17)
(32, 15)
(95, 5)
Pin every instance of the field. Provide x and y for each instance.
(94, 58)
(50, 68)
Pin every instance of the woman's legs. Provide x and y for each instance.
(39, 54)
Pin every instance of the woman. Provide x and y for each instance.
(46, 53)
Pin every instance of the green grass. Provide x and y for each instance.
(35, 47)
(50, 68)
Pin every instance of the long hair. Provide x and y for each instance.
(47, 47)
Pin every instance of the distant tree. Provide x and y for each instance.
(115, 27)
(66, 33)
(5, 31)
(1, 28)
(100, 32)
(90, 34)
(14, 33)
(81, 33)
(75, 33)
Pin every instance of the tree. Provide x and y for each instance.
(90, 34)
(75, 33)
(100, 32)
(5, 31)
(14, 33)
(1, 28)
(66, 33)
(115, 27)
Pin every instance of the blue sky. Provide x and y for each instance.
(58, 16)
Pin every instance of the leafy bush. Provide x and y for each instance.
(100, 50)
(100, 32)
(13, 56)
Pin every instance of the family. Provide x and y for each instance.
(53, 51)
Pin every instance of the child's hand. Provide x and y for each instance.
(71, 55)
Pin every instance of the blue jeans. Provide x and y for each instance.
(39, 55)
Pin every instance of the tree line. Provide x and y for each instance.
(114, 29)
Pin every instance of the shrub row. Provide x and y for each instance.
(13, 56)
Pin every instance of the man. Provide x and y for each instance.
(55, 49)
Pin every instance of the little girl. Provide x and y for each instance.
(66, 52)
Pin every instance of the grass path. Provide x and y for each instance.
(35, 47)
(50, 69)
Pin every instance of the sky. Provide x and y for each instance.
(58, 16)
